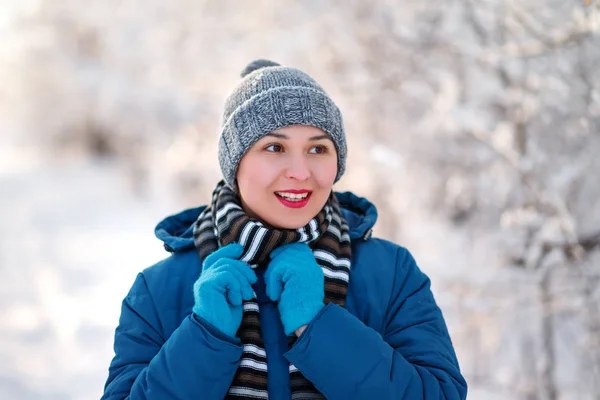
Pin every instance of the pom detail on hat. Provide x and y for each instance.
(258, 64)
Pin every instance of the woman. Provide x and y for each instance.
(277, 289)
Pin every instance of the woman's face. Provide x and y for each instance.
(285, 179)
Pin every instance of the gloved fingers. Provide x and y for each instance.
(244, 269)
(273, 281)
(196, 290)
(286, 248)
(241, 270)
(231, 251)
(228, 282)
(244, 274)
(277, 251)
(291, 250)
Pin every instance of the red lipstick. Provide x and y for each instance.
(294, 203)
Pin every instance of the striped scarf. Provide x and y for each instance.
(224, 222)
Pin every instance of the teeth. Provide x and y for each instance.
(292, 196)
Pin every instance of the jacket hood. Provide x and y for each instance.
(176, 231)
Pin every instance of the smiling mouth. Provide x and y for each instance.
(294, 197)
(293, 200)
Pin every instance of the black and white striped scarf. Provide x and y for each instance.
(224, 222)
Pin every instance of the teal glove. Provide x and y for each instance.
(294, 278)
(224, 282)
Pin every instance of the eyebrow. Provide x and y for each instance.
(283, 136)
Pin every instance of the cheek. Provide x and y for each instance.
(255, 173)
(325, 174)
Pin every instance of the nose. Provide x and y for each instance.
(298, 168)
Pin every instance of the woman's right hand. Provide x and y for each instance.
(224, 282)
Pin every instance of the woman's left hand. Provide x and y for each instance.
(295, 279)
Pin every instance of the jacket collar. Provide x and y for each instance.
(176, 231)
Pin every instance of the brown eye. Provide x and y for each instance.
(274, 148)
(320, 149)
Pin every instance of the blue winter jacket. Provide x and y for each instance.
(389, 342)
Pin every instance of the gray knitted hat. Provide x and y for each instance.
(270, 97)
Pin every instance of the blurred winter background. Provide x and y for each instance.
(474, 126)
